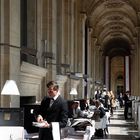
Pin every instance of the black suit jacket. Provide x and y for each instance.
(58, 112)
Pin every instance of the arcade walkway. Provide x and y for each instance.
(120, 128)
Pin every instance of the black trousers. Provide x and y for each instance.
(45, 134)
(126, 112)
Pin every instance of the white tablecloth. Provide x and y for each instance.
(12, 132)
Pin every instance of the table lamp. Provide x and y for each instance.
(10, 88)
(73, 91)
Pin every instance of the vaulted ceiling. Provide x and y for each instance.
(114, 22)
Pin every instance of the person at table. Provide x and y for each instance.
(92, 106)
(84, 104)
(75, 111)
(53, 108)
(99, 113)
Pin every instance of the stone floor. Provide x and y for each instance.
(121, 129)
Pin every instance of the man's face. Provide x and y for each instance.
(52, 91)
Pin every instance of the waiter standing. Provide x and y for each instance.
(53, 108)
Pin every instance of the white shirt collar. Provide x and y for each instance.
(55, 97)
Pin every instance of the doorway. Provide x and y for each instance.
(117, 74)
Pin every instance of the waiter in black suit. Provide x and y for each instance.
(53, 108)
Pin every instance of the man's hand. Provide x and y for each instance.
(39, 118)
(47, 125)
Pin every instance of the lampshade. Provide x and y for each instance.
(10, 88)
(73, 91)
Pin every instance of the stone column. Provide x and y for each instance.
(71, 27)
(10, 50)
(49, 34)
(83, 20)
(53, 46)
(132, 82)
(61, 79)
(40, 29)
(107, 72)
(94, 62)
(43, 30)
(97, 55)
(127, 78)
(101, 64)
(31, 26)
(89, 69)
(136, 92)
(15, 48)
(77, 35)
(138, 70)
(138, 59)
(4, 49)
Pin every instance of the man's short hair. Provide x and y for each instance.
(53, 84)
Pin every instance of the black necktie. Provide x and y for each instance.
(51, 101)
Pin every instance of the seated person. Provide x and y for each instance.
(84, 104)
(100, 119)
(75, 111)
(99, 110)
(92, 106)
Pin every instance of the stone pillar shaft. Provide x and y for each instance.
(127, 78)
(107, 72)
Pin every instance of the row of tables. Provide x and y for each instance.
(70, 132)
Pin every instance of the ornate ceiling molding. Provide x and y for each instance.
(114, 4)
(116, 33)
(93, 4)
(114, 22)
(112, 19)
(113, 16)
(115, 27)
(113, 36)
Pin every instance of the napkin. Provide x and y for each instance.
(55, 131)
